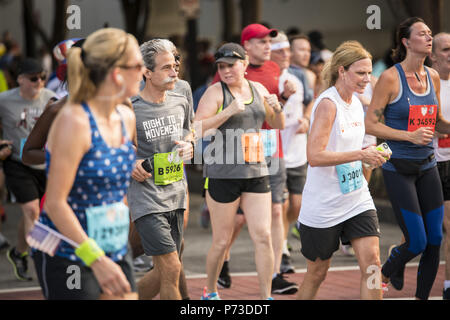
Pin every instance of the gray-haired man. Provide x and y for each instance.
(157, 199)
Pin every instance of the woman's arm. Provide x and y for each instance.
(33, 150)
(384, 92)
(318, 138)
(274, 114)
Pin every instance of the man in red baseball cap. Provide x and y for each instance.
(256, 30)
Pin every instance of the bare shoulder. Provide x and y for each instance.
(128, 117)
(387, 86)
(213, 93)
(389, 76)
(324, 116)
(326, 108)
(72, 117)
(434, 75)
(126, 112)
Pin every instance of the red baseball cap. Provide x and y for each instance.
(256, 30)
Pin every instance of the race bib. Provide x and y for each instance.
(252, 147)
(350, 176)
(22, 144)
(422, 116)
(168, 168)
(108, 225)
(444, 142)
(269, 142)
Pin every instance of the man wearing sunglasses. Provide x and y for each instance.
(19, 109)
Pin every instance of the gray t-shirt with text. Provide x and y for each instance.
(19, 116)
(158, 126)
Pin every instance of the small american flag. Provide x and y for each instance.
(46, 239)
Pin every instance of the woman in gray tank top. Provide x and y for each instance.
(233, 112)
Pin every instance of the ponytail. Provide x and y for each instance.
(89, 65)
(81, 87)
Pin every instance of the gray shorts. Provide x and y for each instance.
(278, 182)
(161, 233)
(322, 242)
(296, 178)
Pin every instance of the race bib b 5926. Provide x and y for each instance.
(168, 168)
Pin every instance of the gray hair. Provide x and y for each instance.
(152, 48)
(436, 39)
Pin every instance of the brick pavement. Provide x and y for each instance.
(342, 283)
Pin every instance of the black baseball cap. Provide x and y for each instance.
(229, 53)
(29, 66)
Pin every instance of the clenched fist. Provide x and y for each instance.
(272, 101)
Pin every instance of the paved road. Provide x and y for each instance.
(197, 242)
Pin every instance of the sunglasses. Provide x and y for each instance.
(36, 78)
(228, 54)
(137, 67)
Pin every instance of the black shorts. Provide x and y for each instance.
(58, 277)
(296, 178)
(25, 183)
(322, 242)
(444, 173)
(228, 190)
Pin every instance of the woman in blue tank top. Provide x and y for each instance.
(90, 157)
(407, 95)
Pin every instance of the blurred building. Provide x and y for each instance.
(337, 20)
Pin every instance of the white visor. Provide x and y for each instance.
(280, 45)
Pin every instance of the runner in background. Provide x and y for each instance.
(19, 110)
(294, 140)
(440, 58)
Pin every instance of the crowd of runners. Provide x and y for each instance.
(286, 138)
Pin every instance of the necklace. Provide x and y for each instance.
(418, 79)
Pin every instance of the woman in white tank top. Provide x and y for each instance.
(336, 201)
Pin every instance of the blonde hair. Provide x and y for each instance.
(345, 55)
(88, 66)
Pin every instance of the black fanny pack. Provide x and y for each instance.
(409, 167)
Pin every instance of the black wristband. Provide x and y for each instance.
(283, 97)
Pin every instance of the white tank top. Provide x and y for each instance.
(443, 154)
(294, 144)
(324, 203)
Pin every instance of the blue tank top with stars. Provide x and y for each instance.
(102, 179)
(397, 115)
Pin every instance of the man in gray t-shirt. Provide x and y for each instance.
(19, 109)
(157, 199)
